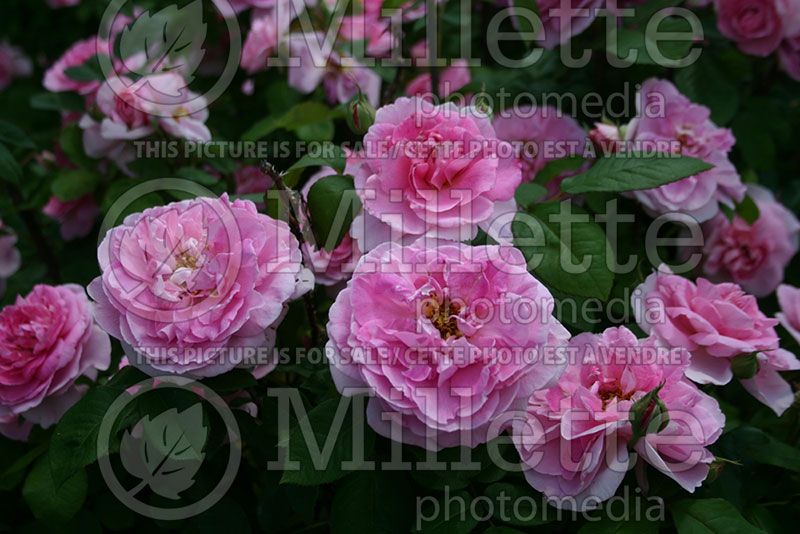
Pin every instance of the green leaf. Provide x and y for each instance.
(607, 525)
(74, 441)
(637, 40)
(196, 175)
(300, 115)
(523, 23)
(745, 366)
(558, 167)
(751, 444)
(540, 239)
(74, 184)
(748, 210)
(89, 71)
(706, 83)
(630, 172)
(11, 134)
(10, 170)
(703, 516)
(232, 381)
(332, 203)
(334, 158)
(528, 193)
(442, 517)
(756, 145)
(321, 420)
(371, 502)
(50, 502)
(71, 141)
(521, 505)
(58, 102)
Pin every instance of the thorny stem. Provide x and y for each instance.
(294, 206)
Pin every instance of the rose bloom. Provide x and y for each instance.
(789, 316)
(438, 171)
(451, 79)
(714, 322)
(266, 31)
(575, 436)
(56, 80)
(544, 135)
(47, 341)
(330, 267)
(340, 81)
(789, 57)
(55, 4)
(13, 64)
(250, 180)
(75, 217)
(752, 255)
(187, 285)
(757, 26)
(424, 330)
(560, 25)
(666, 117)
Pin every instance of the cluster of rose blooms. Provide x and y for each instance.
(203, 276)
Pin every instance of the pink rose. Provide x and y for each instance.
(266, 30)
(341, 81)
(55, 4)
(789, 57)
(76, 217)
(432, 333)
(438, 171)
(451, 79)
(56, 79)
(335, 266)
(754, 256)
(368, 25)
(560, 24)
(191, 286)
(666, 118)
(575, 436)
(47, 341)
(767, 385)
(715, 323)
(756, 25)
(547, 135)
(789, 316)
(13, 64)
(250, 180)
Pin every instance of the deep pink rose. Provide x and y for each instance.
(250, 180)
(438, 171)
(789, 316)
(789, 56)
(330, 267)
(757, 26)
(575, 436)
(47, 341)
(432, 332)
(543, 134)
(667, 119)
(13, 64)
(560, 24)
(187, 286)
(76, 217)
(754, 256)
(56, 80)
(715, 323)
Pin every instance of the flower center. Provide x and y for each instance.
(441, 313)
(611, 392)
(186, 260)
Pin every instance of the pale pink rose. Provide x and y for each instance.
(187, 286)
(767, 385)
(754, 256)
(166, 91)
(76, 217)
(341, 82)
(13, 64)
(607, 137)
(666, 118)
(714, 322)
(123, 115)
(55, 4)
(438, 171)
(575, 436)
(97, 146)
(56, 80)
(545, 134)
(47, 341)
(332, 267)
(451, 79)
(756, 26)
(789, 57)
(789, 316)
(267, 28)
(424, 330)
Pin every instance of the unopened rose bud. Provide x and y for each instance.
(360, 114)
